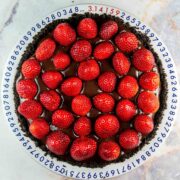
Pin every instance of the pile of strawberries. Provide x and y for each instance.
(137, 100)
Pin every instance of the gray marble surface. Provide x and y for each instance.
(162, 15)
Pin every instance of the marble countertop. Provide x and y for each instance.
(162, 15)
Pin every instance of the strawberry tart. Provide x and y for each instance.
(90, 90)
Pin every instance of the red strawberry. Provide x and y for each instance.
(82, 126)
(121, 63)
(52, 79)
(81, 50)
(148, 102)
(30, 109)
(126, 41)
(108, 29)
(87, 28)
(129, 139)
(45, 49)
(39, 128)
(125, 110)
(71, 86)
(50, 100)
(143, 60)
(61, 60)
(26, 88)
(58, 142)
(104, 102)
(144, 124)
(106, 126)
(149, 81)
(64, 34)
(88, 70)
(30, 68)
(128, 87)
(109, 150)
(103, 51)
(107, 81)
(81, 105)
(62, 118)
(83, 148)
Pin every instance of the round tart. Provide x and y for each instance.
(89, 90)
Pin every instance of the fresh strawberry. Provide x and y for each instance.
(61, 60)
(126, 41)
(106, 126)
(129, 139)
(58, 142)
(39, 128)
(104, 102)
(64, 34)
(88, 70)
(81, 50)
(45, 49)
(52, 79)
(87, 28)
(144, 124)
(128, 87)
(82, 126)
(62, 118)
(81, 105)
(31, 68)
(149, 81)
(148, 102)
(121, 63)
(103, 50)
(71, 86)
(143, 60)
(107, 81)
(26, 88)
(125, 110)
(109, 150)
(83, 148)
(50, 100)
(108, 30)
(30, 109)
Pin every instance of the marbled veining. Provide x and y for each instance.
(162, 15)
